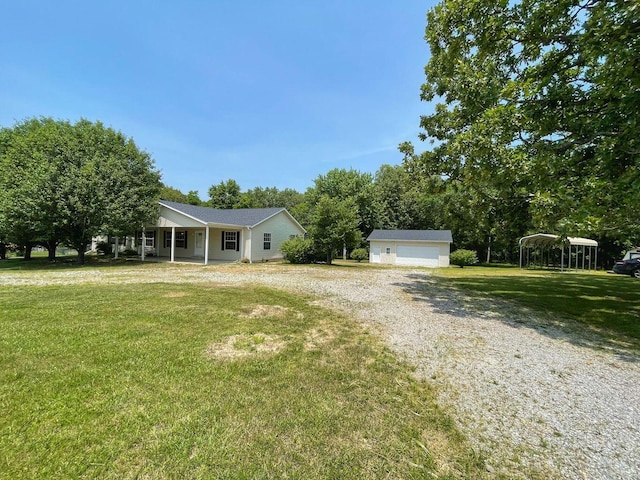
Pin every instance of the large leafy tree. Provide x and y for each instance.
(334, 225)
(66, 182)
(408, 201)
(536, 111)
(224, 194)
(31, 169)
(352, 185)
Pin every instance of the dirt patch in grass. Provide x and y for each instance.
(176, 295)
(316, 337)
(240, 346)
(273, 311)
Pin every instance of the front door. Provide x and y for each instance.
(198, 250)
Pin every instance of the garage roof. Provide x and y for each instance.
(412, 235)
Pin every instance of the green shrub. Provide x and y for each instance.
(463, 257)
(298, 250)
(359, 254)
(103, 248)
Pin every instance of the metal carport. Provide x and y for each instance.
(550, 241)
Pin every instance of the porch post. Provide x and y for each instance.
(242, 246)
(144, 244)
(250, 244)
(173, 244)
(206, 246)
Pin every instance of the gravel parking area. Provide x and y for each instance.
(528, 391)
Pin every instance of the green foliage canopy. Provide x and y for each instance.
(334, 225)
(537, 110)
(64, 182)
(174, 195)
(224, 195)
(351, 185)
(270, 197)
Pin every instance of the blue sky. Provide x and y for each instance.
(267, 93)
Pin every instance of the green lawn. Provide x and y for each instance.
(203, 381)
(603, 303)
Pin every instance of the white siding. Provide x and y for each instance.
(215, 244)
(169, 218)
(180, 252)
(435, 254)
(281, 227)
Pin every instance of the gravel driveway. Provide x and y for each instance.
(528, 391)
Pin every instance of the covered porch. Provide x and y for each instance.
(205, 244)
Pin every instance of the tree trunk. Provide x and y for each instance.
(27, 251)
(3, 250)
(51, 248)
(81, 247)
(489, 251)
(329, 256)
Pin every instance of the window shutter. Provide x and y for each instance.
(238, 242)
(223, 240)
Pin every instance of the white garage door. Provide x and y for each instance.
(417, 256)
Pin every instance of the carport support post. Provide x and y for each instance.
(569, 256)
(173, 244)
(520, 253)
(206, 246)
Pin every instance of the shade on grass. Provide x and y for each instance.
(605, 304)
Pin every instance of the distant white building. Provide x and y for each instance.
(420, 248)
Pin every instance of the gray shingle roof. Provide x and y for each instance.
(412, 235)
(239, 217)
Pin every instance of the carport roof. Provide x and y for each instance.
(412, 235)
(546, 239)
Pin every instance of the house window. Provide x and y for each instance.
(230, 240)
(266, 245)
(149, 238)
(388, 250)
(181, 239)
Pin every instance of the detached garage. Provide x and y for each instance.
(415, 248)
